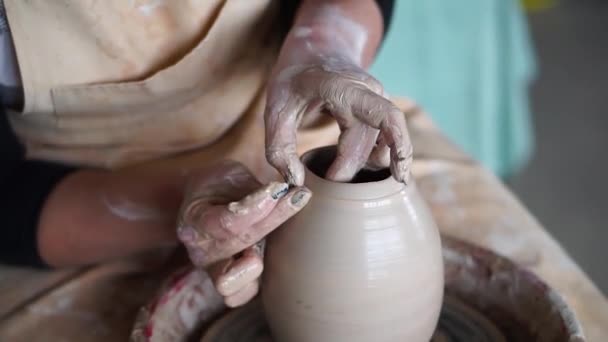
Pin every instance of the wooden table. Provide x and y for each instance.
(468, 202)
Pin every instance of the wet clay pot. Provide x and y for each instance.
(361, 262)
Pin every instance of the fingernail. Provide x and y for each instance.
(300, 198)
(278, 190)
(295, 174)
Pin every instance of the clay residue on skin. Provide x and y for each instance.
(320, 69)
(148, 7)
(236, 176)
(238, 276)
(302, 32)
(348, 36)
(131, 211)
(273, 191)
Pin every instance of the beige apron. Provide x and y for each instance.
(117, 82)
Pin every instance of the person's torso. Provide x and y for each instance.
(111, 83)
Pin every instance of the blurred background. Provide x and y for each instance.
(522, 85)
(566, 182)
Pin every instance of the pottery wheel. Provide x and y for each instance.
(457, 322)
(487, 298)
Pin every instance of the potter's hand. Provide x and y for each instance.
(225, 215)
(320, 70)
(370, 123)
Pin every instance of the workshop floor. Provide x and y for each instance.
(566, 184)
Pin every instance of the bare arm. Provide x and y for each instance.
(220, 213)
(348, 28)
(93, 216)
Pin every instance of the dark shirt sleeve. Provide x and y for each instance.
(289, 8)
(25, 186)
(387, 8)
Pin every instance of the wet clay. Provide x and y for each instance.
(361, 262)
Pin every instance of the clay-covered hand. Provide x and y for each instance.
(225, 215)
(320, 70)
(371, 125)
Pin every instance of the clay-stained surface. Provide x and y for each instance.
(471, 204)
(467, 202)
(97, 304)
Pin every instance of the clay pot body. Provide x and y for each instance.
(361, 262)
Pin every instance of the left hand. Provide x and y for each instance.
(225, 215)
(371, 125)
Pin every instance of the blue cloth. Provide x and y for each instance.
(469, 64)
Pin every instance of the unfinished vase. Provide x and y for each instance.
(361, 262)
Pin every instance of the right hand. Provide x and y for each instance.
(224, 217)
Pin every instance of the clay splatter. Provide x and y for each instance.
(131, 211)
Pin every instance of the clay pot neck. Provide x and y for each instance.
(366, 185)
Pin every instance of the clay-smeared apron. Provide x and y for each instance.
(113, 83)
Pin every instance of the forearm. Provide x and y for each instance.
(346, 29)
(93, 216)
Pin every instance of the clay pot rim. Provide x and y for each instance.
(349, 191)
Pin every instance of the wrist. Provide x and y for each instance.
(350, 30)
(310, 45)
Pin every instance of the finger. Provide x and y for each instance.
(226, 181)
(253, 207)
(244, 295)
(220, 220)
(380, 113)
(395, 132)
(380, 157)
(354, 148)
(219, 268)
(281, 121)
(287, 206)
(203, 229)
(240, 272)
